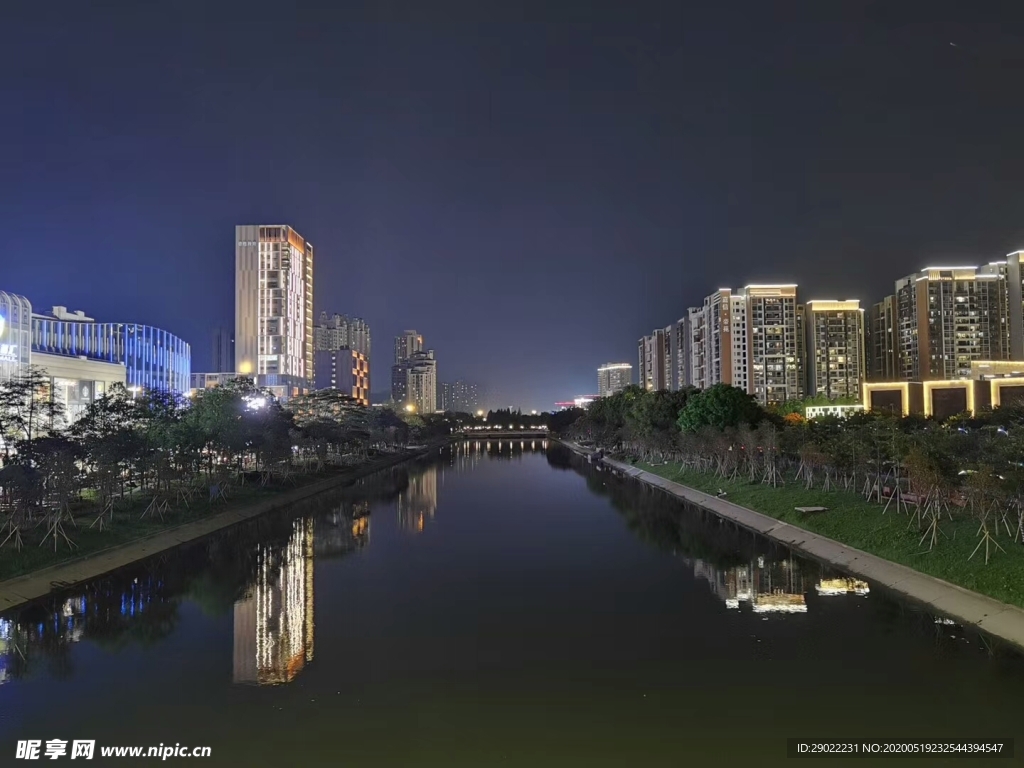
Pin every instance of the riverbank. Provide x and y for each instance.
(854, 536)
(130, 539)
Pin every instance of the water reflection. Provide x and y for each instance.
(274, 622)
(418, 502)
(842, 586)
(766, 586)
(343, 530)
(6, 648)
(259, 574)
(746, 571)
(257, 579)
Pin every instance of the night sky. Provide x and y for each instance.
(532, 197)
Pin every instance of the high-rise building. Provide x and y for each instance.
(718, 341)
(613, 377)
(345, 370)
(773, 338)
(274, 308)
(882, 341)
(1015, 304)
(223, 351)
(399, 383)
(406, 344)
(339, 331)
(681, 353)
(458, 396)
(950, 316)
(750, 339)
(654, 355)
(421, 381)
(834, 348)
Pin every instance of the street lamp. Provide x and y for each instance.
(410, 408)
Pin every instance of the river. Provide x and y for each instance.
(495, 604)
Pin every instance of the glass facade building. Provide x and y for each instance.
(15, 335)
(153, 358)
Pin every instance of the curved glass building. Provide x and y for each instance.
(15, 335)
(153, 358)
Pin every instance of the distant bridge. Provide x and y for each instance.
(502, 434)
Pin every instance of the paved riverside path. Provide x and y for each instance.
(998, 619)
(32, 586)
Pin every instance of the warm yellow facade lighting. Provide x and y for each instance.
(903, 386)
(997, 386)
(949, 384)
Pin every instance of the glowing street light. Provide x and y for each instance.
(410, 408)
(479, 413)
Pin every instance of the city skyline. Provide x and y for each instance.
(698, 191)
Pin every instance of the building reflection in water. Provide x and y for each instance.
(842, 586)
(343, 530)
(274, 622)
(766, 586)
(103, 609)
(418, 502)
(6, 648)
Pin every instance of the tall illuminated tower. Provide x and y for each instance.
(274, 308)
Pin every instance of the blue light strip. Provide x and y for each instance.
(153, 358)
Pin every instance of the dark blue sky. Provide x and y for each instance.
(531, 196)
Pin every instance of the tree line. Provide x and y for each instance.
(165, 451)
(931, 471)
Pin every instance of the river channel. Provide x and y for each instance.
(498, 603)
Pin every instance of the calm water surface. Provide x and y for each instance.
(494, 605)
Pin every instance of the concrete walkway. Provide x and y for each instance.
(32, 586)
(995, 618)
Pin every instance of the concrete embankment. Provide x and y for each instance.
(993, 617)
(32, 586)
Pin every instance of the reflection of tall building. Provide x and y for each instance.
(767, 586)
(842, 586)
(274, 623)
(418, 502)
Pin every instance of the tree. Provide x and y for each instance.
(109, 435)
(28, 409)
(560, 421)
(719, 406)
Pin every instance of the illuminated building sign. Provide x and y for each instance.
(8, 352)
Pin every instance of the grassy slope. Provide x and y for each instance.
(861, 524)
(128, 526)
